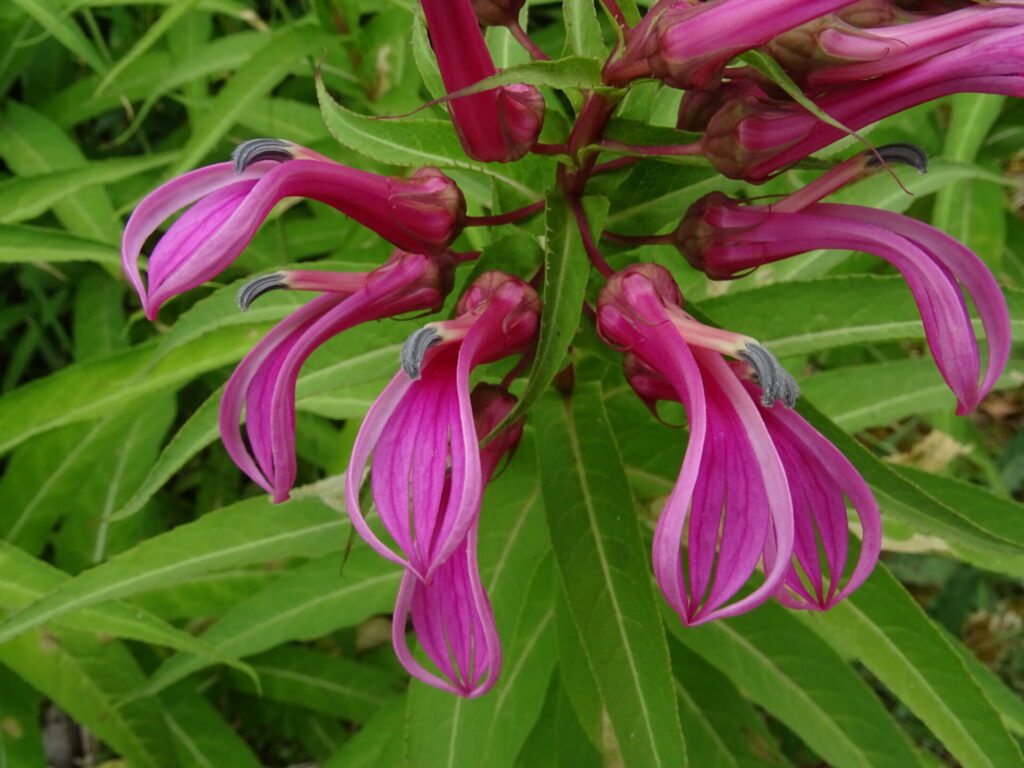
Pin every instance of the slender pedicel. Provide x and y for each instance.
(776, 382)
(415, 349)
(254, 150)
(258, 286)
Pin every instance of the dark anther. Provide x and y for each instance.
(255, 288)
(254, 150)
(907, 154)
(776, 382)
(415, 349)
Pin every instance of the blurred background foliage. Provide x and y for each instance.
(107, 424)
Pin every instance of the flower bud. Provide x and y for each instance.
(497, 13)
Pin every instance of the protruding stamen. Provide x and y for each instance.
(907, 154)
(255, 288)
(254, 150)
(776, 382)
(415, 349)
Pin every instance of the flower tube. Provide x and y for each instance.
(731, 505)
(497, 125)
(229, 201)
(426, 475)
(263, 384)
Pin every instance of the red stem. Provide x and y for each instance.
(505, 218)
(524, 40)
(593, 252)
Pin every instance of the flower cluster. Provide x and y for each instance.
(759, 489)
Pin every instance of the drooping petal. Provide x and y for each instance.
(455, 625)
(821, 481)
(972, 273)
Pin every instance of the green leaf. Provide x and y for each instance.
(860, 396)
(582, 72)
(252, 531)
(904, 500)
(448, 730)
(722, 728)
(566, 272)
(334, 685)
(202, 737)
(31, 144)
(155, 32)
(86, 676)
(21, 742)
(885, 628)
(33, 245)
(94, 388)
(786, 669)
(603, 566)
(417, 141)
(375, 744)
(253, 80)
(25, 580)
(322, 596)
(25, 197)
(49, 15)
(583, 30)
(813, 315)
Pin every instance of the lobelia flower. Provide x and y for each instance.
(500, 124)
(731, 504)
(829, 51)
(229, 201)
(263, 384)
(725, 238)
(687, 44)
(751, 137)
(426, 475)
(451, 615)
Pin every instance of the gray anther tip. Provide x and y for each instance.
(254, 150)
(776, 382)
(906, 154)
(415, 349)
(256, 287)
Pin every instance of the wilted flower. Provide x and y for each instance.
(500, 124)
(426, 475)
(229, 201)
(264, 382)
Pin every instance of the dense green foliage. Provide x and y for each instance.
(152, 594)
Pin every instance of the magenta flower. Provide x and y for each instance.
(263, 384)
(725, 239)
(686, 44)
(498, 125)
(751, 138)
(731, 505)
(229, 201)
(830, 52)
(451, 615)
(426, 476)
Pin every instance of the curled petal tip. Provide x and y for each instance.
(907, 154)
(415, 349)
(776, 382)
(254, 150)
(255, 288)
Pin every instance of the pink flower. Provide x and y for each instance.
(229, 201)
(500, 124)
(751, 137)
(426, 475)
(731, 504)
(451, 615)
(687, 44)
(828, 52)
(264, 382)
(725, 238)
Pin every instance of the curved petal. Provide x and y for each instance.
(454, 622)
(972, 273)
